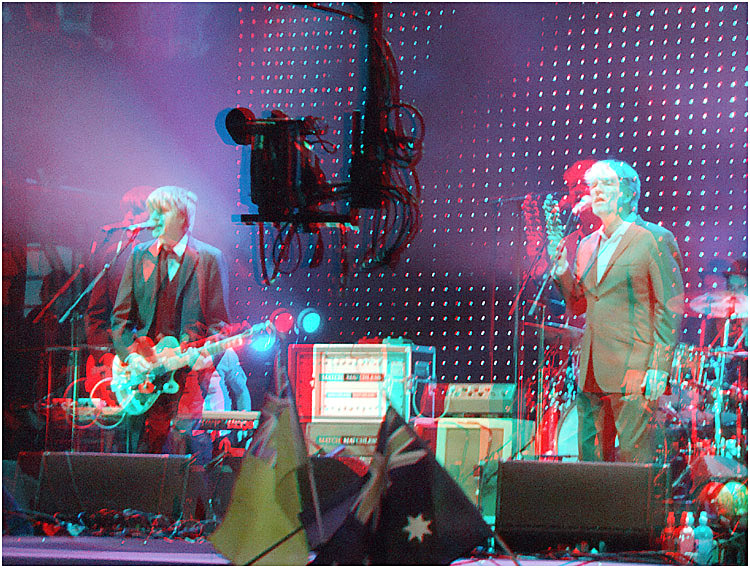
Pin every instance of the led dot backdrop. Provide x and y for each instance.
(512, 95)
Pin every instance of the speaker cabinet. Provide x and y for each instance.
(470, 448)
(349, 437)
(551, 504)
(70, 483)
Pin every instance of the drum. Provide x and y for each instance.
(567, 434)
(688, 364)
(567, 439)
(546, 436)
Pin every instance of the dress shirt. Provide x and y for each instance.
(607, 247)
(175, 256)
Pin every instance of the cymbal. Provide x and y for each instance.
(558, 332)
(729, 353)
(720, 304)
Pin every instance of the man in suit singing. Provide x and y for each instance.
(627, 278)
(173, 286)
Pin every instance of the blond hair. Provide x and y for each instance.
(173, 197)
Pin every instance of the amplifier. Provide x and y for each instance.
(356, 381)
(358, 438)
(476, 399)
(360, 381)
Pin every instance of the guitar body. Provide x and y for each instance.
(135, 392)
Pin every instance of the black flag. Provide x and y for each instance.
(410, 511)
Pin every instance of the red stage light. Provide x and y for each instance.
(282, 320)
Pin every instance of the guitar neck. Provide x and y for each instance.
(216, 347)
(222, 345)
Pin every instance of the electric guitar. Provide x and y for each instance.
(137, 392)
(99, 376)
(553, 224)
(535, 237)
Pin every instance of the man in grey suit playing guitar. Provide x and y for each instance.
(627, 278)
(173, 287)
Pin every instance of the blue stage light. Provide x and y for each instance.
(309, 321)
(263, 343)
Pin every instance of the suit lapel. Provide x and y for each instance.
(187, 266)
(148, 263)
(591, 251)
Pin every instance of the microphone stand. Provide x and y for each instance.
(74, 348)
(540, 401)
(548, 275)
(59, 293)
(120, 249)
(520, 287)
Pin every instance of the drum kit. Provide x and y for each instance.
(86, 401)
(704, 412)
(709, 382)
(555, 385)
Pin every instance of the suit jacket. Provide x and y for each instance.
(633, 313)
(201, 292)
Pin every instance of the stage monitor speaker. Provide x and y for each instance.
(559, 504)
(70, 483)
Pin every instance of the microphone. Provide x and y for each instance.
(582, 205)
(136, 227)
(139, 226)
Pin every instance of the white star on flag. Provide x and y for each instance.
(417, 527)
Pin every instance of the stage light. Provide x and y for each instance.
(309, 321)
(239, 123)
(263, 342)
(282, 320)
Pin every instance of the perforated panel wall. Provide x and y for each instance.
(512, 95)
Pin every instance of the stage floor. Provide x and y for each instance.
(108, 551)
(104, 550)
